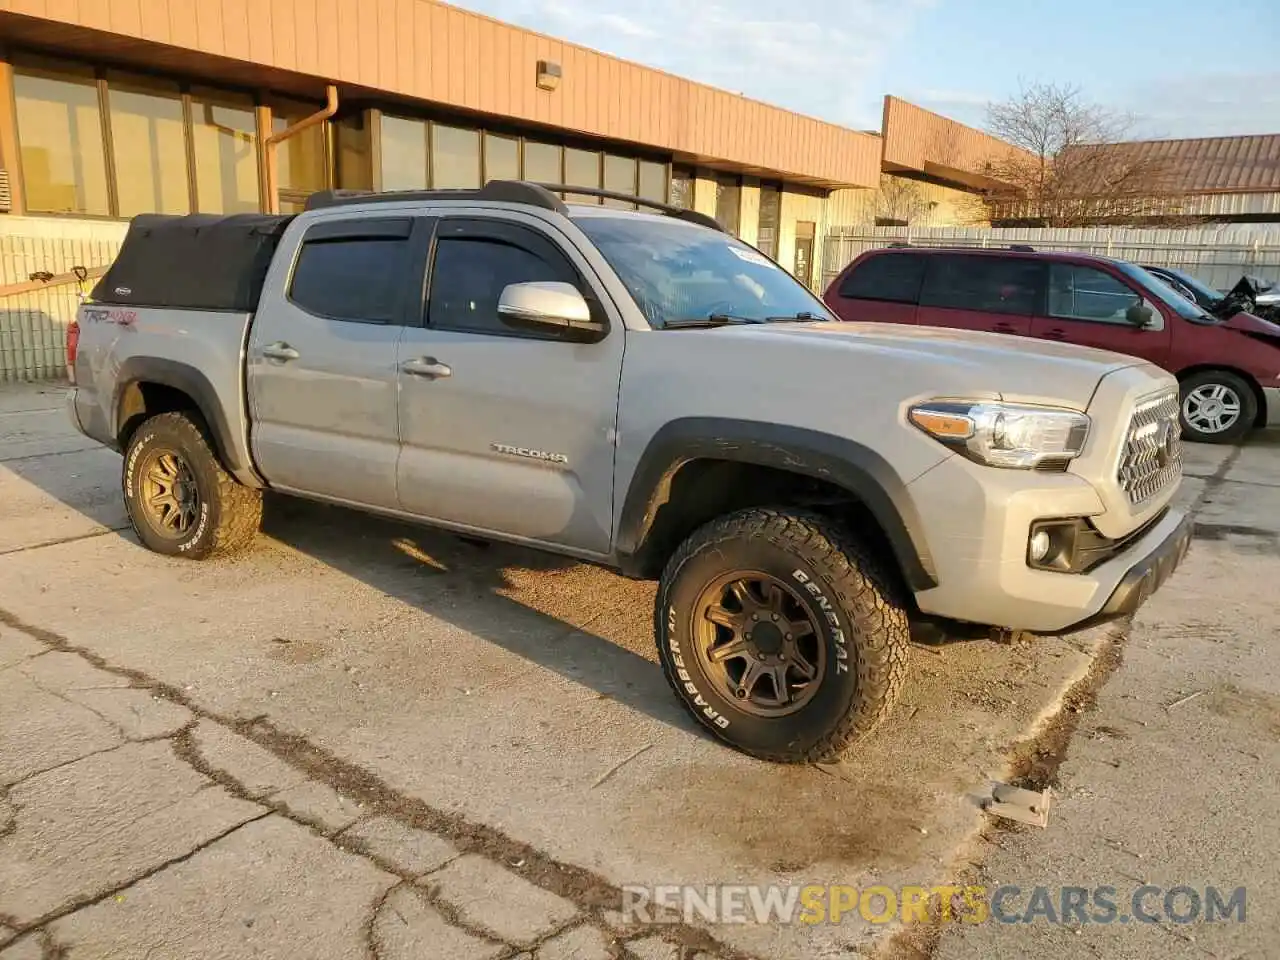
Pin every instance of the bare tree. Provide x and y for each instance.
(899, 200)
(1074, 163)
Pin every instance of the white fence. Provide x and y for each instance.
(1217, 255)
(33, 323)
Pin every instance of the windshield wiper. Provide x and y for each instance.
(803, 315)
(711, 320)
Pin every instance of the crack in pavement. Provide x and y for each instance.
(59, 766)
(587, 891)
(61, 540)
(81, 903)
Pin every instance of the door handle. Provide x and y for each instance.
(428, 367)
(280, 351)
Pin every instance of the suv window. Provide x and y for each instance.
(475, 261)
(985, 283)
(887, 276)
(1086, 293)
(353, 270)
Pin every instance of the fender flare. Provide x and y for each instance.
(192, 382)
(853, 466)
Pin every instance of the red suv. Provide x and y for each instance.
(1229, 369)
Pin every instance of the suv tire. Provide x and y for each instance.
(181, 502)
(1212, 397)
(762, 574)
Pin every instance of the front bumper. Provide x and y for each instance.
(979, 519)
(1147, 575)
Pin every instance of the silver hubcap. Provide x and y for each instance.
(1211, 408)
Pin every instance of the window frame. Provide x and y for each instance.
(1037, 308)
(512, 233)
(416, 232)
(1157, 320)
(921, 259)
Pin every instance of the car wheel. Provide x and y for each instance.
(1217, 407)
(181, 502)
(781, 634)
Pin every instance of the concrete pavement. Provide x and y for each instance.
(363, 738)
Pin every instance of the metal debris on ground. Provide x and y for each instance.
(1189, 697)
(1015, 803)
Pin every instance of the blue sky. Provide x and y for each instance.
(1184, 68)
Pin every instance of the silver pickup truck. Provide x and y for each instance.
(643, 391)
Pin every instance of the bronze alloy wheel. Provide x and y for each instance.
(170, 498)
(757, 642)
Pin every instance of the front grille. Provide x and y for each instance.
(1152, 456)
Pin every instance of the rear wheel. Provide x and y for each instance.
(181, 502)
(781, 634)
(1217, 407)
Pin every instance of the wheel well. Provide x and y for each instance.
(703, 489)
(140, 401)
(1260, 418)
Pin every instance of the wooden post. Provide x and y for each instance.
(10, 157)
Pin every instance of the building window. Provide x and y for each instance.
(354, 153)
(302, 161)
(404, 154)
(501, 158)
(149, 144)
(455, 157)
(581, 169)
(225, 137)
(542, 163)
(653, 181)
(620, 176)
(682, 185)
(770, 219)
(64, 166)
(729, 202)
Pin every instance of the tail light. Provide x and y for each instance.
(73, 345)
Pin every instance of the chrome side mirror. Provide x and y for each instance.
(549, 307)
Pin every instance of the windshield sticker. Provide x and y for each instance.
(747, 255)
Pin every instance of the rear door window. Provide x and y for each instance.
(894, 277)
(987, 284)
(353, 270)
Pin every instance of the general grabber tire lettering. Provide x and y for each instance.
(729, 618)
(180, 500)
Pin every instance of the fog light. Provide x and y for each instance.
(1038, 548)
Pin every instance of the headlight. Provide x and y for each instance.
(1003, 434)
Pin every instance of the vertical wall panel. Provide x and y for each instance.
(235, 28)
(388, 63)
(284, 33)
(261, 23)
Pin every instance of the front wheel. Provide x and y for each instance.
(781, 634)
(1217, 407)
(180, 499)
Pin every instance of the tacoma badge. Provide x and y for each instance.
(529, 454)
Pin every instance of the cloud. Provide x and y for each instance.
(1206, 105)
(815, 61)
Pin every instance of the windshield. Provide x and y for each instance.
(679, 271)
(1171, 298)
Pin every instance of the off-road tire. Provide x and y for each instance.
(1237, 385)
(230, 514)
(843, 581)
